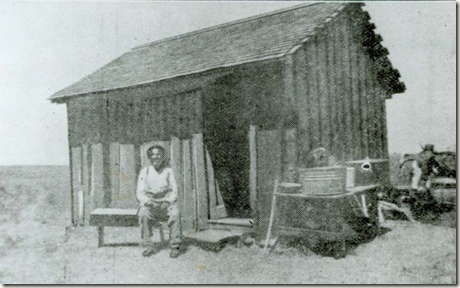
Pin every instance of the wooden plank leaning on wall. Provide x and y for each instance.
(216, 204)
(86, 172)
(127, 176)
(73, 192)
(97, 177)
(253, 170)
(221, 211)
(211, 186)
(76, 184)
(114, 170)
(176, 165)
(200, 180)
(188, 207)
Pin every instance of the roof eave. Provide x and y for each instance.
(63, 98)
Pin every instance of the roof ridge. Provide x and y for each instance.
(226, 24)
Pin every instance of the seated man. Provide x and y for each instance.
(157, 196)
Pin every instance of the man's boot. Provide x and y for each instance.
(151, 250)
(176, 249)
(175, 252)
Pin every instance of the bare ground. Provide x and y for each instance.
(37, 248)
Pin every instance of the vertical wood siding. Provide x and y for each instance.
(340, 101)
(337, 97)
(347, 92)
(323, 92)
(312, 114)
(302, 101)
(355, 101)
(332, 94)
(363, 104)
(85, 120)
(95, 120)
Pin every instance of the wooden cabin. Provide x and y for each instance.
(236, 105)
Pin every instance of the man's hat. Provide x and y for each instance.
(428, 147)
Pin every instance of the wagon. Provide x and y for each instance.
(443, 184)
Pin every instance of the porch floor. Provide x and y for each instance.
(239, 225)
(213, 236)
(243, 222)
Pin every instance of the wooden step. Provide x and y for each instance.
(245, 222)
(213, 240)
(212, 236)
(239, 225)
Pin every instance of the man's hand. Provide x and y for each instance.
(165, 189)
(158, 201)
(151, 203)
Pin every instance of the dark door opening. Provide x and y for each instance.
(226, 138)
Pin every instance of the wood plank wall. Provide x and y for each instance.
(115, 119)
(118, 120)
(340, 103)
(113, 122)
(199, 196)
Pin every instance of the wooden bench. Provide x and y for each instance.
(112, 217)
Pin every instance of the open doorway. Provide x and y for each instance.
(226, 138)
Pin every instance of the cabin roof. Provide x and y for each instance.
(253, 39)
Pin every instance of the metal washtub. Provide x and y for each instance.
(323, 180)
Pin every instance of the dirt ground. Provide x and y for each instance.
(36, 247)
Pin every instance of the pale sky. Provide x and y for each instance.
(46, 46)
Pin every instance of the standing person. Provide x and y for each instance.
(425, 165)
(157, 196)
